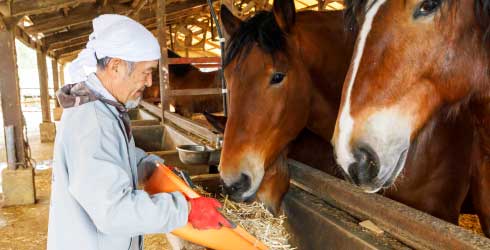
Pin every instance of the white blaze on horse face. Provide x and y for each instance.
(346, 123)
(387, 132)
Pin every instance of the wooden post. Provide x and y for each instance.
(321, 5)
(17, 183)
(56, 84)
(47, 128)
(162, 39)
(9, 91)
(171, 39)
(57, 76)
(62, 75)
(43, 82)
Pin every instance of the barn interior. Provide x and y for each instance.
(39, 40)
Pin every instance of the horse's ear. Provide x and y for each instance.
(284, 13)
(230, 22)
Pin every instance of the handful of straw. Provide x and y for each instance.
(257, 220)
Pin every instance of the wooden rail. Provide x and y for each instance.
(183, 123)
(192, 127)
(412, 227)
(192, 92)
(200, 60)
(152, 108)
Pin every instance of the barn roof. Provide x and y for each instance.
(61, 27)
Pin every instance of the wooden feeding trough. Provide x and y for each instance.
(163, 140)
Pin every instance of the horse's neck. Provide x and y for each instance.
(328, 59)
(478, 101)
(322, 116)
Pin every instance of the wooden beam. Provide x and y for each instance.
(59, 49)
(65, 11)
(5, 8)
(137, 7)
(43, 81)
(175, 17)
(56, 84)
(184, 5)
(135, 3)
(69, 50)
(26, 39)
(87, 12)
(9, 91)
(162, 39)
(67, 58)
(147, 16)
(184, 60)
(102, 3)
(69, 43)
(29, 7)
(11, 21)
(66, 37)
(190, 92)
(80, 15)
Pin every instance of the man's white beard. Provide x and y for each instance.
(131, 104)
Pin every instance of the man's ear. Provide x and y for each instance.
(114, 65)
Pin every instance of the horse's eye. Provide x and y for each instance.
(427, 7)
(277, 77)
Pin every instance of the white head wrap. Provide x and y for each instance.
(114, 36)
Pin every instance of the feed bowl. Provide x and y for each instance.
(193, 154)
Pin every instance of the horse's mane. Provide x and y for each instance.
(178, 69)
(355, 8)
(482, 14)
(261, 29)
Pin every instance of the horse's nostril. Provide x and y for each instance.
(366, 167)
(239, 187)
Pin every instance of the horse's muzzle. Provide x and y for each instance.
(237, 189)
(364, 171)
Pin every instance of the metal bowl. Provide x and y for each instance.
(193, 154)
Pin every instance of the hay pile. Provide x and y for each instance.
(256, 220)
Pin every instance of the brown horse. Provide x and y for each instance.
(415, 60)
(268, 106)
(186, 76)
(282, 81)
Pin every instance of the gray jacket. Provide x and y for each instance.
(94, 200)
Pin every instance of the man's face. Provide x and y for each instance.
(129, 87)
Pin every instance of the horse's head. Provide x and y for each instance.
(267, 84)
(411, 59)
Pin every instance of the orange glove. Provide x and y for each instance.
(204, 214)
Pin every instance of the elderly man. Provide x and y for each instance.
(95, 203)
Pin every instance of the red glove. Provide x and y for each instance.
(204, 214)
